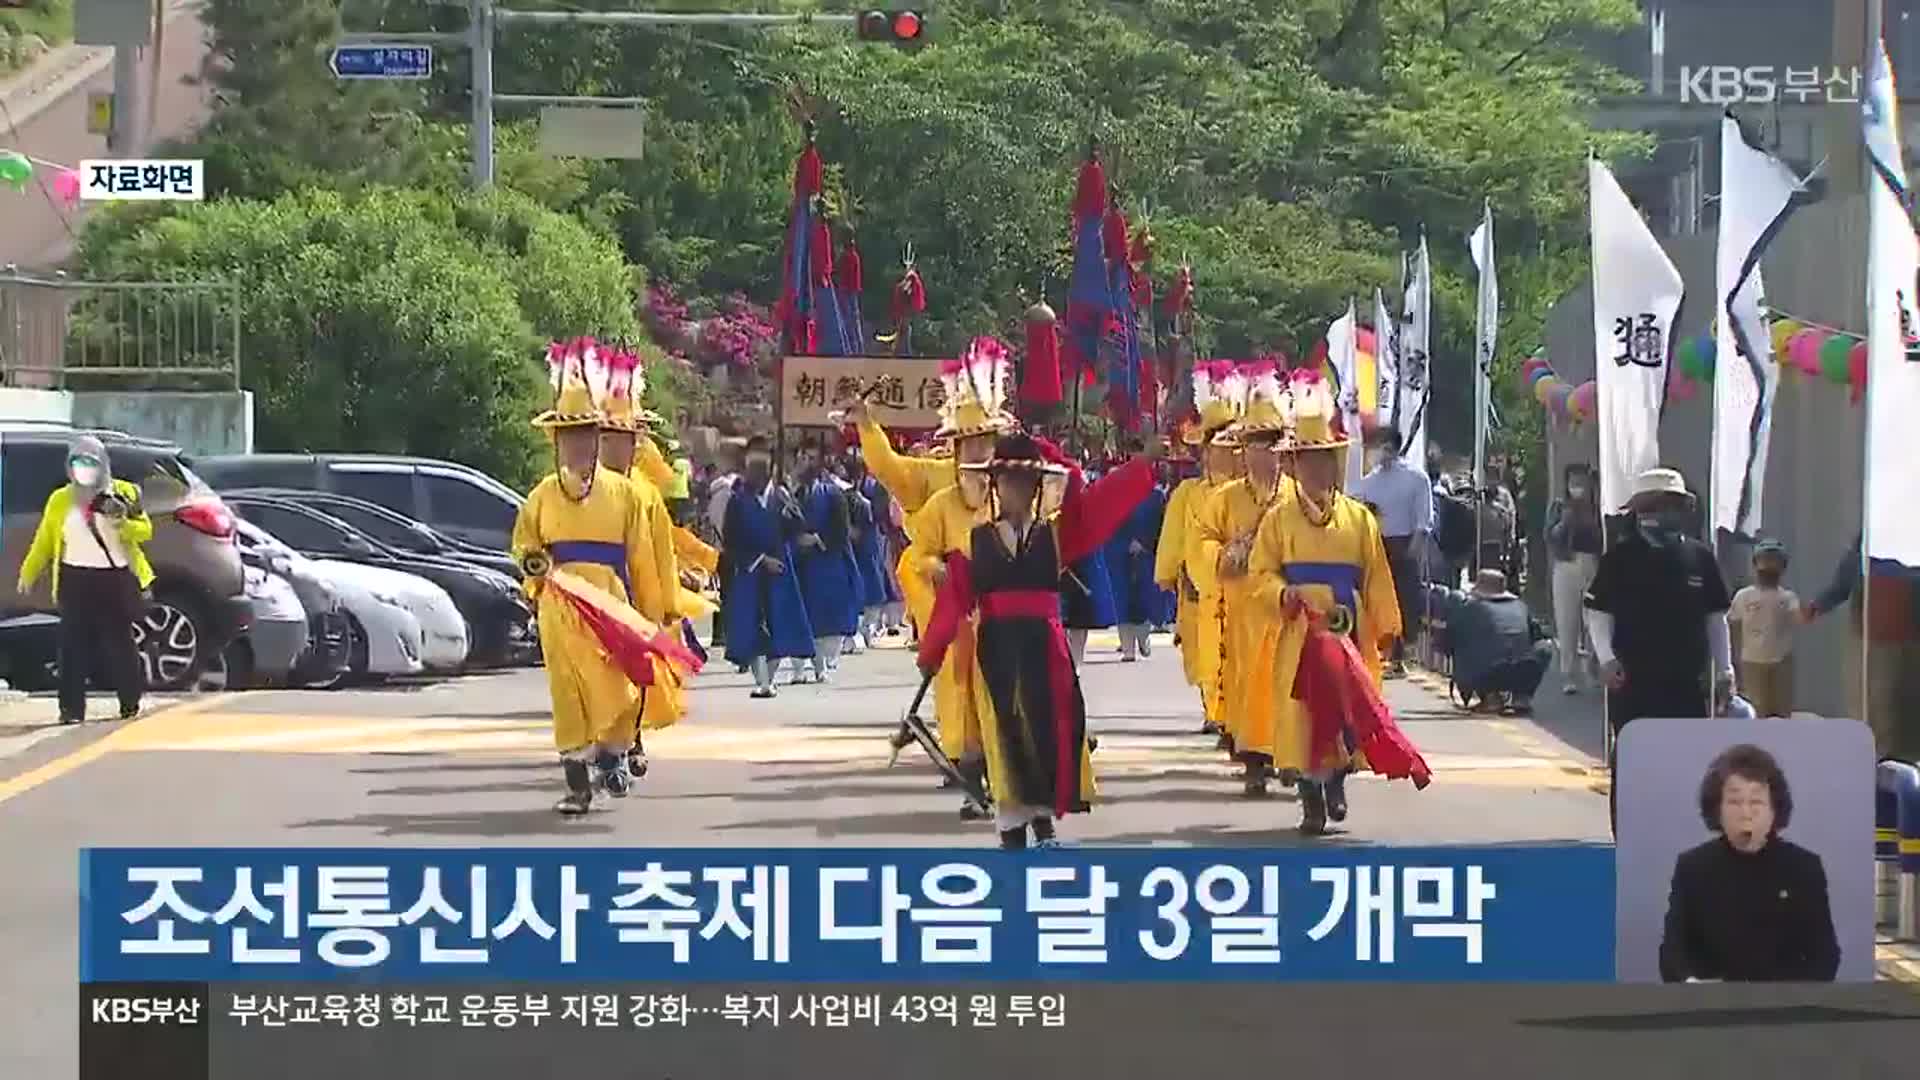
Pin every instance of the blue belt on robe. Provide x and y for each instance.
(1342, 578)
(610, 555)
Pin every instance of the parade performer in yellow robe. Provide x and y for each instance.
(591, 522)
(1226, 526)
(1317, 564)
(1219, 396)
(973, 413)
(627, 448)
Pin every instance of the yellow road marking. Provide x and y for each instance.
(101, 747)
(1120, 757)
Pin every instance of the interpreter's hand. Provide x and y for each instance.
(1613, 674)
(775, 567)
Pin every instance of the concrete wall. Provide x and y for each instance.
(200, 423)
(1815, 270)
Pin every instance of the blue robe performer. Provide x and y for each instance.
(872, 516)
(766, 613)
(829, 576)
(1142, 604)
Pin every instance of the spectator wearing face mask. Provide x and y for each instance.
(90, 536)
(1657, 612)
(1764, 617)
(1574, 535)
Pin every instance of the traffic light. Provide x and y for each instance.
(906, 27)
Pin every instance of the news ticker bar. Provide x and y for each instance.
(324, 1031)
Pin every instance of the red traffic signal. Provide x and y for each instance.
(899, 27)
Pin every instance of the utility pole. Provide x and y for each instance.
(482, 19)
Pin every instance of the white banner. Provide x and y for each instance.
(1756, 194)
(1636, 295)
(1386, 348)
(1486, 328)
(1343, 355)
(1893, 378)
(1413, 374)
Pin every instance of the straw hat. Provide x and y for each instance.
(1219, 396)
(1266, 412)
(568, 363)
(975, 391)
(1315, 416)
(618, 384)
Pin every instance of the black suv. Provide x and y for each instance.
(200, 599)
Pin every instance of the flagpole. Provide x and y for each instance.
(1876, 51)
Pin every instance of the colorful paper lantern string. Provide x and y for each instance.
(1565, 402)
(1799, 347)
(17, 172)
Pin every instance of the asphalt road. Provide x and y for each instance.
(470, 762)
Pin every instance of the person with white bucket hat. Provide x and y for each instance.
(1657, 611)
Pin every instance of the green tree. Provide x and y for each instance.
(388, 321)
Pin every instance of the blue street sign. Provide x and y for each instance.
(382, 61)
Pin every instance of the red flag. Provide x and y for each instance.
(632, 641)
(1344, 707)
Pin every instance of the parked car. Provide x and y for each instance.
(495, 611)
(383, 633)
(457, 500)
(323, 662)
(390, 527)
(30, 651)
(200, 601)
(266, 654)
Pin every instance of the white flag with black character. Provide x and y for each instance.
(1756, 197)
(1893, 320)
(1412, 383)
(1486, 331)
(1636, 296)
(1343, 355)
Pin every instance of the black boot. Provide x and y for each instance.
(579, 797)
(1313, 809)
(637, 757)
(974, 768)
(1013, 839)
(1043, 834)
(1254, 778)
(1337, 797)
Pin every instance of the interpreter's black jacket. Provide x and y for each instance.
(1736, 917)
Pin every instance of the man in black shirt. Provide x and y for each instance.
(1748, 906)
(1657, 613)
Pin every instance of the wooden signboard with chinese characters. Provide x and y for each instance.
(904, 393)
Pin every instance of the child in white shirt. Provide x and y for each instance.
(1765, 617)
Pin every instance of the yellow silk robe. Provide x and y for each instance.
(1170, 573)
(665, 702)
(912, 481)
(941, 527)
(1231, 513)
(593, 701)
(1292, 550)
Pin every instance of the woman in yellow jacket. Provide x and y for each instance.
(89, 545)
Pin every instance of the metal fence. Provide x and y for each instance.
(59, 333)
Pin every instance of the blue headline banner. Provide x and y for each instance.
(797, 914)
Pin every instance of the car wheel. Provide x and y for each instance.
(171, 639)
(357, 651)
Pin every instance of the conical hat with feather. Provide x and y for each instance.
(974, 391)
(1266, 411)
(568, 367)
(1219, 393)
(1315, 414)
(618, 386)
